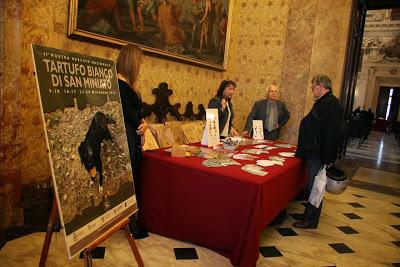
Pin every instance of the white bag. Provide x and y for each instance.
(318, 189)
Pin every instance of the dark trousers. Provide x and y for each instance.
(135, 153)
(311, 213)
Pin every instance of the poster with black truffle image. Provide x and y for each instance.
(87, 144)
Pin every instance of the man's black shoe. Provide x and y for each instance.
(304, 225)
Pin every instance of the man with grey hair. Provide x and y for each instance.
(319, 140)
(271, 111)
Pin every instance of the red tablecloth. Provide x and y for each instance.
(224, 209)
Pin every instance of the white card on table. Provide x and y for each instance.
(211, 131)
(258, 132)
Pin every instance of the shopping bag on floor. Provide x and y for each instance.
(318, 189)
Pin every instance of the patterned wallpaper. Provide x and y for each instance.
(272, 41)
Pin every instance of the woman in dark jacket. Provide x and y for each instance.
(222, 102)
(128, 63)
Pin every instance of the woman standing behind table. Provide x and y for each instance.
(128, 64)
(222, 102)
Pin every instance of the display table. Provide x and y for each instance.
(224, 209)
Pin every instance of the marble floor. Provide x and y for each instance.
(379, 147)
(360, 227)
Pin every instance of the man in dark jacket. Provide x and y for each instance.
(319, 140)
(271, 111)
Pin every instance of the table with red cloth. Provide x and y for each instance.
(221, 208)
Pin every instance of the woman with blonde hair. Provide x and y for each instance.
(128, 64)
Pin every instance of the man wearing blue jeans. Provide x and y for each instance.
(319, 140)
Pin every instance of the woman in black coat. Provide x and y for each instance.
(128, 63)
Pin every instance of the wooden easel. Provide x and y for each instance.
(87, 252)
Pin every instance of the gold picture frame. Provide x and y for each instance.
(191, 31)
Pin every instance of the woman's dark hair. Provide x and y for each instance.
(223, 85)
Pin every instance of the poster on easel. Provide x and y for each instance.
(211, 130)
(258, 130)
(86, 140)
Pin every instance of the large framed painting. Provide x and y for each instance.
(193, 31)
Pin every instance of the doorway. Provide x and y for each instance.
(354, 46)
(387, 108)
